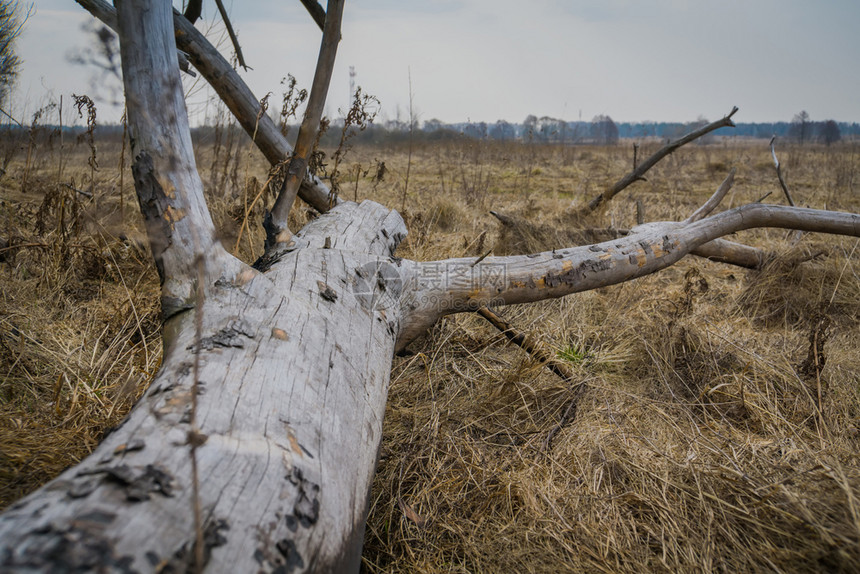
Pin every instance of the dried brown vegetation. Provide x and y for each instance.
(717, 430)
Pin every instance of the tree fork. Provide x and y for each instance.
(235, 94)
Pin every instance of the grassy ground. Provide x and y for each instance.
(717, 428)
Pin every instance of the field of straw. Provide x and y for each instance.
(710, 423)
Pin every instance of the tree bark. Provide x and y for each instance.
(439, 288)
(169, 189)
(276, 398)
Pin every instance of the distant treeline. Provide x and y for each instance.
(601, 131)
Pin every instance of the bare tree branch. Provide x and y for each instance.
(779, 173)
(193, 10)
(233, 39)
(107, 15)
(235, 94)
(526, 343)
(2, 111)
(729, 252)
(454, 285)
(316, 11)
(534, 348)
(277, 232)
(715, 199)
(639, 171)
(720, 250)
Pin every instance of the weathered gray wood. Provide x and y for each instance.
(294, 375)
(292, 382)
(714, 200)
(455, 285)
(169, 189)
(724, 251)
(293, 363)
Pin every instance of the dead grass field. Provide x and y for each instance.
(705, 440)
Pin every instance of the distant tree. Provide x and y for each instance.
(476, 130)
(11, 23)
(530, 127)
(800, 127)
(604, 131)
(503, 130)
(433, 125)
(550, 129)
(829, 132)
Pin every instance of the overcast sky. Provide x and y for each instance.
(484, 60)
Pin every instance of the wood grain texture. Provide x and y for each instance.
(169, 188)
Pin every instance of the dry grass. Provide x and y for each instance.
(705, 440)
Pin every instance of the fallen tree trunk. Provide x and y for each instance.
(294, 370)
(256, 443)
(293, 381)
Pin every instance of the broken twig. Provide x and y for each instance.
(779, 173)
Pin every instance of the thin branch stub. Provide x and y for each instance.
(779, 173)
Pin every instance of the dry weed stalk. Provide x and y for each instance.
(82, 102)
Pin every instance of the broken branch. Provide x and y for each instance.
(640, 171)
(233, 39)
(276, 222)
(526, 343)
(714, 200)
(316, 11)
(779, 173)
(193, 10)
